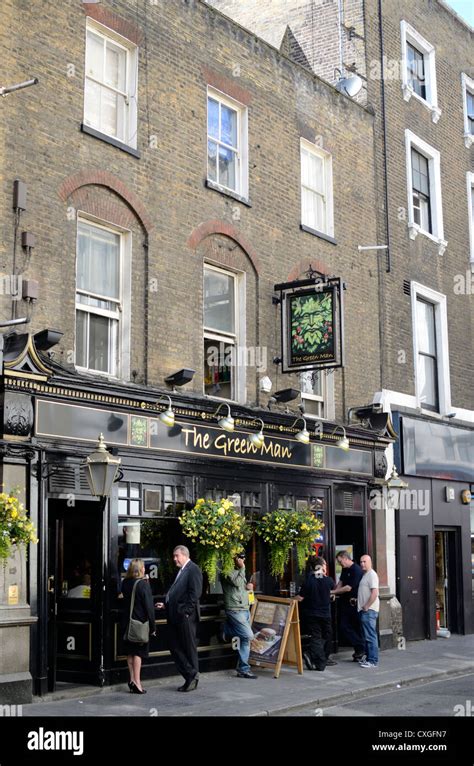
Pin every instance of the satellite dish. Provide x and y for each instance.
(350, 86)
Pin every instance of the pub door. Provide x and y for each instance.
(75, 587)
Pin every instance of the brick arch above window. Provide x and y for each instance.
(110, 19)
(298, 271)
(87, 178)
(209, 228)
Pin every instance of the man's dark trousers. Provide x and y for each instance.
(183, 647)
(350, 627)
(320, 630)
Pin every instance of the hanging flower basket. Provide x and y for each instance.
(282, 529)
(218, 532)
(15, 527)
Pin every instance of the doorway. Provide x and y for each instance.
(75, 585)
(446, 580)
(414, 612)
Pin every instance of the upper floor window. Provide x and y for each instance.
(421, 191)
(316, 189)
(419, 69)
(430, 339)
(102, 325)
(425, 212)
(470, 202)
(468, 108)
(316, 393)
(110, 104)
(224, 376)
(427, 363)
(227, 152)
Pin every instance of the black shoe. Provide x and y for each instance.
(330, 662)
(130, 686)
(307, 661)
(247, 674)
(358, 657)
(189, 686)
(135, 690)
(320, 669)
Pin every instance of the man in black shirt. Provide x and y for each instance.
(347, 588)
(316, 597)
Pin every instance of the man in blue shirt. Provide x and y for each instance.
(315, 596)
(347, 588)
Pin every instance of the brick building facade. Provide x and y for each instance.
(417, 72)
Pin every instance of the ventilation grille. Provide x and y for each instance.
(348, 501)
(406, 287)
(66, 480)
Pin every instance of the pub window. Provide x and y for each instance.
(148, 528)
(224, 305)
(110, 93)
(102, 300)
(289, 584)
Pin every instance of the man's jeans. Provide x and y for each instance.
(238, 626)
(368, 621)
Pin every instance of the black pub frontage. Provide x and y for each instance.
(51, 423)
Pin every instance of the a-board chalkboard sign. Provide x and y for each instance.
(276, 628)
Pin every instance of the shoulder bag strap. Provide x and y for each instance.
(132, 603)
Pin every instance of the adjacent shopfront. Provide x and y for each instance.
(85, 545)
(434, 571)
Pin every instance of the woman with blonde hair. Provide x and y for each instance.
(143, 611)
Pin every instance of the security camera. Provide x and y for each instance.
(301, 408)
(265, 384)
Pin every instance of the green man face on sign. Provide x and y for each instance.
(311, 323)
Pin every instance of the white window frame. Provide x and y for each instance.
(326, 399)
(239, 390)
(131, 78)
(242, 169)
(326, 157)
(442, 345)
(410, 35)
(122, 366)
(470, 207)
(467, 84)
(434, 168)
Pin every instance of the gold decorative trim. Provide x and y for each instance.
(40, 388)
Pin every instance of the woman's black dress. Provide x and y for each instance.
(143, 610)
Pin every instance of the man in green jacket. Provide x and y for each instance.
(236, 605)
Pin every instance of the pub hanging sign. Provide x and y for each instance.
(312, 329)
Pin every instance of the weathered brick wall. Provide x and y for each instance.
(162, 194)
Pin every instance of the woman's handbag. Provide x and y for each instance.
(137, 632)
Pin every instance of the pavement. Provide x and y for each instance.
(221, 693)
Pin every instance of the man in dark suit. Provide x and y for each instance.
(182, 611)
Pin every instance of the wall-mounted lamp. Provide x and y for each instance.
(257, 439)
(343, 442)
(227, 422)
(394, 481)
(167, 416)
(303, 435)
(101, 469)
